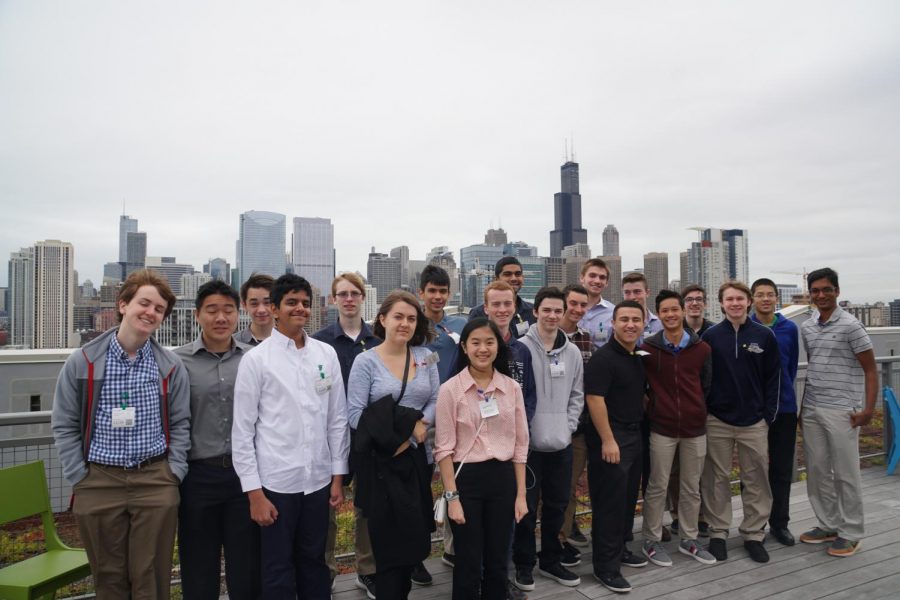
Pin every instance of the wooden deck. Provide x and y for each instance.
(798, 573)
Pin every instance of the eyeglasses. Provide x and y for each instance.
(765, 295)
(824, 291)
(345, 295)
(694, 300)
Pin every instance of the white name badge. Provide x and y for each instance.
(123, 418)
(489, 408)
(454, 336)
(323, 385)
(522, 328)
(557, 370)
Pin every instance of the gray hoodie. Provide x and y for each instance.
(559, 399)
(78, 396)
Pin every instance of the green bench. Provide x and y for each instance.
(24, 493)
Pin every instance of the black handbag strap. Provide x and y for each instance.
(405, 376)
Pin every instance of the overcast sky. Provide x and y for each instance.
(424, 122)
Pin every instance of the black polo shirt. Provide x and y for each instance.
(346, 347)
(618, 375)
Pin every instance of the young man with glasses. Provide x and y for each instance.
(840, 374)
(695, 309)
(783, 432)
(349, 337)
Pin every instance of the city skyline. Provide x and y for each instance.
(427, 126)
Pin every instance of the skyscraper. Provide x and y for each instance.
(401, 253)
(126, 225)
(383, 273)
(54, 294)
(611, 241)
(720, 255)
(218, 268)
(656, 270)
(135, 251)
(21, 297)
(567, 212)
(261, 244)
(613, 291)
(495, 237)
(313, 251)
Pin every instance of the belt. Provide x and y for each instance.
(223, 460)
(140, 465)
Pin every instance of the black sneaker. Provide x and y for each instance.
(630, 559)
(703, 528)
(366, 582)
(576, 538)
(514, 593)
(420, 575)
(613, 581)
(560, 574)
(717, 549)
(570, 556)
(449, 559)
(524, 579)
(757, 551)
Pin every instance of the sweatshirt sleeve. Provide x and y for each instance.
(772, 358)
(794, 354)
(529, 390)
(66, 422)
(576, 397)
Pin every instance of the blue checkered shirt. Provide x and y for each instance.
(139, 378)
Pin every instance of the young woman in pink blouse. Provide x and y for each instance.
(480, 421)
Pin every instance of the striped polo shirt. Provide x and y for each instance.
(834, 377)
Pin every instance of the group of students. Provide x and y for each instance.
(245, 441)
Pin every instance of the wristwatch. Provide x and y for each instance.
(451, 496)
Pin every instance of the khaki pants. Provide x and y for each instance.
(752, 444)
(579, 462)
(127, 523)
(833, 479)
(691, 453)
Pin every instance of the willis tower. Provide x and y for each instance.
(567, 212)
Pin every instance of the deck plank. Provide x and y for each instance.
(802, 572)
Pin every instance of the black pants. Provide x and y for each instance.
(393, 582)
(487, 491)
(552, 481)
(214, 514)
(293, 548)
(614, 490)
(782, 442)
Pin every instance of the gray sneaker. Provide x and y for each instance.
(696, 551)
(656, 554)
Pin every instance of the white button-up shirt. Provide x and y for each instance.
(290, 430)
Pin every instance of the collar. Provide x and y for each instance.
(685, 340)
(778, 317)
(119, 352)
(465, 378)
(833, 318)
(197, 345)
(614, 344)
(282, 341)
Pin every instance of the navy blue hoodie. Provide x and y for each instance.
(746, 373)
(788, 337)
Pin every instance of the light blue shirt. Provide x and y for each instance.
(371, 380)
(596, 322)
(445, 346)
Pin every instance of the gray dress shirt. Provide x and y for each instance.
(212, 396)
